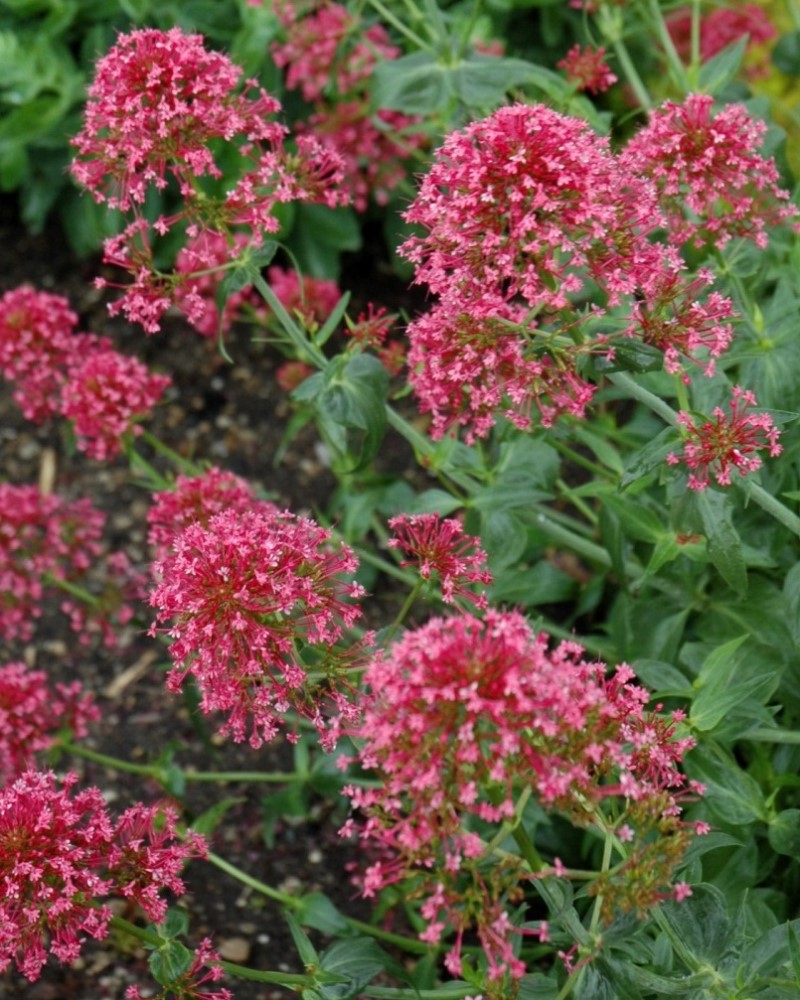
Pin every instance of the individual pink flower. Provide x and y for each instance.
(439, 545)
(726, 442)
(43, 539)
(712, 183)
(204, 969)
(32, 712)
(53, 839)
(148, 855)
(311, 299)
(246, 593)
(587, 69)
(105, 396)
(196, 499)
(463, 713)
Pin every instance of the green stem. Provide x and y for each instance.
(296, 903)
(398, 25)
(764, 735)
(650, 400)
(450, 991)
(770, 504)
(73, 589)
(604, 867)
(184, 464)
(527, 848)
(407, 605)
(306, 349)
(632, 74)
(148, 770)
(676, 67)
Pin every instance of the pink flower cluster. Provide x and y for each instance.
(162, 109)
(439, 545)
(330, 56)
(526, 211)
(248, 592)
(61, 853)
(463, 714)
(587, 69)
(46, 540)
(58, 372)
(726, 442)
(712, 183)
(32, 712)
(720, 28)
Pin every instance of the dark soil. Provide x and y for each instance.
(234, 416)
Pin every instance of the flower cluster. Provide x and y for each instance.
(247, 592)
(160, 110)
(726, 442)
(527, 212)
(32, 712)
(61, 853)
(196, 499)
(712, 182)
(722, 27)
(59, 372)
(465, 713)
(587, 69)
(439, 545)
(330, 56)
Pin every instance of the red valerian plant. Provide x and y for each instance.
(192, 984)
(246, 592)
(587, 69)
(158, 104)
(727, 442)
(61, 854)
(463, 715)
(33, 712)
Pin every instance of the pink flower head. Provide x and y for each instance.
(439, 545)
(712, 183)
(158, 99)
(105, 395)
(462, 710)
(37, 343)
(41, 536)
(197, 499)
(311, 299)
(148, 855)
(205, 968)
(31, 714)
(246, 593)
(52, 843)
(726, 442)
(468, 364)
(291, 374)
(587, 69)
(675, 318)
(520, 204)
(330, 56)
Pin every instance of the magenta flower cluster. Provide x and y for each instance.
(62, 855)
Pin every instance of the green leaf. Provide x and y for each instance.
(354, 399)
(209, 820)
(170, 962)
(504, 536)
(305, 949)
(701, 923)
(435, 501)
(731, 794)
(629, 356)
(356, 960)
(791, 597)
(174, 924)
(650, 457)
(724, 544)
(786, 53)
(718, 690)
(636, 520)
(784, 833)
(317, 911)
(718, 72)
